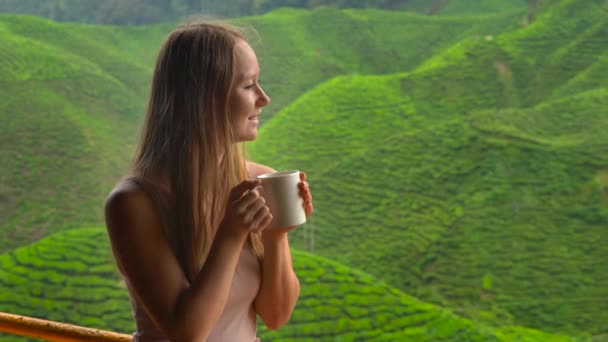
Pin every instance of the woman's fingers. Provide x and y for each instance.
(237, 192)
(261, 218)
(308, 210)
(252, 210)
(305, 191)
(248, 199)
(265, 222)
(306, 197)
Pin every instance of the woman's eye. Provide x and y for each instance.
(252, 85)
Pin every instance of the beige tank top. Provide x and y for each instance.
(238, 320)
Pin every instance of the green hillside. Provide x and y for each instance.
(470, 181)
(68, 277)
(299, 49)
(470, 171)
(129, 12)
(68, 108)
(73, 95)
(477, 7)
(465, 202)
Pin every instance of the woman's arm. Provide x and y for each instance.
(183, 311)
(280, 287)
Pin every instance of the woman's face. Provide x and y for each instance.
(246, 97)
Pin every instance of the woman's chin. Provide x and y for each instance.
(250, 136)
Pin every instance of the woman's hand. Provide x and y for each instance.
(307, 204)
(247, 210)
(305, 194)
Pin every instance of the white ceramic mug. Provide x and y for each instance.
(282, 195)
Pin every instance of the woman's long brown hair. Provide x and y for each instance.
(187, 136)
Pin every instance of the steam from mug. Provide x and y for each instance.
(282, 195)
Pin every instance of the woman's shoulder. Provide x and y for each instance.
(126, 201)
(136, 189)
(127, 189)
(124, 195)
(255, 169)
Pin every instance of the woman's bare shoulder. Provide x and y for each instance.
(126, 202)
(125, 194)
(255, 169)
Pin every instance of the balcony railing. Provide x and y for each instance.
(55, 331)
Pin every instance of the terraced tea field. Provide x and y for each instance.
(460, 186)
(68, 277)
(73, 95)
(461, 164)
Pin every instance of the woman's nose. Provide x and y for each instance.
(264, 99)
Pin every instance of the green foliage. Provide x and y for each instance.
(68, 108)
(155, 11)
(85, 87)
(469, 172)
(489, 158)
(68, 277)
(477, 7)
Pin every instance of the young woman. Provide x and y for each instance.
(187, 224)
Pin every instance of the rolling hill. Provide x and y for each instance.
(68, 277)
(68, 108)
(73, 95)
(144, 11)
(476, 7)
(468, 171)
(476, 181)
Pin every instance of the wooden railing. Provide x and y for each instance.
(55, 331)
